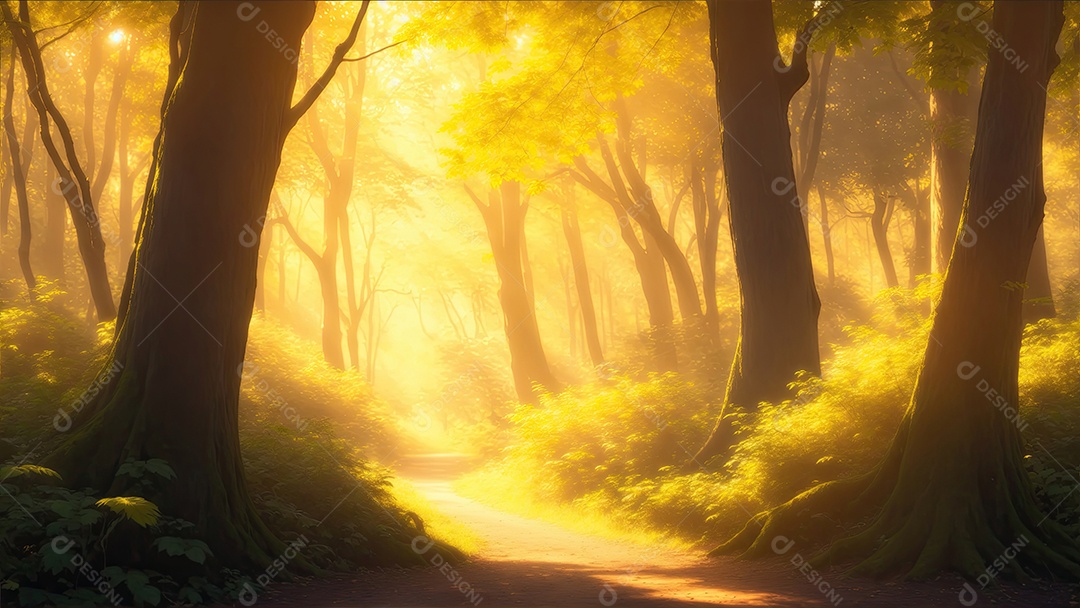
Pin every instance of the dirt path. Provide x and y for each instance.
(526, 562)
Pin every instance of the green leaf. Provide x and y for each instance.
(138, 582)
(188, 595)
(195, 550)
(138, 510)
(161, 468)
(22, 469)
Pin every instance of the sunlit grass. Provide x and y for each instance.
(438, 526)
(605, 458)
(494, 488)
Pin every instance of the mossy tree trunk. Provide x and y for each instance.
(779, 304)
(184, 330)
(952, 491)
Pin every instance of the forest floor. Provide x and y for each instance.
(526, 562)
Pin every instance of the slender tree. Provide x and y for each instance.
(580, 270)
(17, 169)
(504, 217)
(73, 181)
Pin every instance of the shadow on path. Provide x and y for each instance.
(525, 562)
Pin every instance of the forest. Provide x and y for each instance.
(553, 303)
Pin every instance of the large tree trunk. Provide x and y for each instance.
(580, 270)
(952, 117)
(177, 394)
(779, 302)
(504, 217)
(952, 491)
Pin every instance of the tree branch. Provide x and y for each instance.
(316, 89)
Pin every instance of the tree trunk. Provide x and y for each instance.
(504, 216)
(55, 227)
(826, 233)
(879, 226)
(779, 304)
(952, 116)
(177, 394)
(642, 208)
(581, 281)
(952, 491)
(810, 136)
(108, 145)
(74, 183)
(921, 258)
(18, 174)
(125, 202)
(707, 227)
(346, 166)
(326, 269)
(648, 262)
(1039, 294)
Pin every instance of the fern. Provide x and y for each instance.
(138, 510)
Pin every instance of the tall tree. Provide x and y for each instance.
(952, 491)
(18, 163)
(72, 178)
(952, 117)
(779, 305)
(504, 217)
(176, 397)
(580, 270)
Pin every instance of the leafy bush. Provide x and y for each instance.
(304, 432)
(600, 447)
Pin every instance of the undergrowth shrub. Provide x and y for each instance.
(598, 449)
(305, 430)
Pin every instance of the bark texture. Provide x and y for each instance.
(780, 304)
(177, 391)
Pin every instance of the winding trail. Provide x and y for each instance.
(525, 562)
